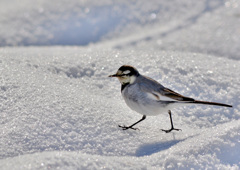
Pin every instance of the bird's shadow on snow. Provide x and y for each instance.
(151, 148)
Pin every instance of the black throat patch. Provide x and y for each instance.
(123, 86)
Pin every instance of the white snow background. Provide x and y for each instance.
(60, 110)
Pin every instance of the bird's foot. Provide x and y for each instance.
(127, 127)
(169, 130)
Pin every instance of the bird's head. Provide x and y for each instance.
(126, 74)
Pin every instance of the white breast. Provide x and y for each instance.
(143, 103)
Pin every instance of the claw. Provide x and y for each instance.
(167, 131)
(127, 127)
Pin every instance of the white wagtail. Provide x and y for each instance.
(149, 98)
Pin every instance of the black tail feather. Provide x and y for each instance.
(211, 103)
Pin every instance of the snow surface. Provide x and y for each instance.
(60, 110)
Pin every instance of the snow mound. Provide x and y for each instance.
(210, 27)
(59, 109)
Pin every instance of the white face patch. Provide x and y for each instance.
(132, 79)
(127, 79)
(126, 72)
(119, 72)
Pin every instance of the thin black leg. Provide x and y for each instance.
(172, 128)
(131, 127)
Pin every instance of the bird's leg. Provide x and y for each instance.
(131, 127)
(172, 128)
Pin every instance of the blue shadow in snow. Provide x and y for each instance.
(149, 149)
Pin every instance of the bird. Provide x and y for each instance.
(149, 98)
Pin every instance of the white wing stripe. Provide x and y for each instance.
(159, 97)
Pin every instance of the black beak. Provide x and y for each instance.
(114, 75)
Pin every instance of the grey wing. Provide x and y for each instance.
(159, 92)
(169, 93)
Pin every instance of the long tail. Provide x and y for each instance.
(211, 103)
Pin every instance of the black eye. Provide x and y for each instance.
(125, 75)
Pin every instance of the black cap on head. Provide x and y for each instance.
(133, 70)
